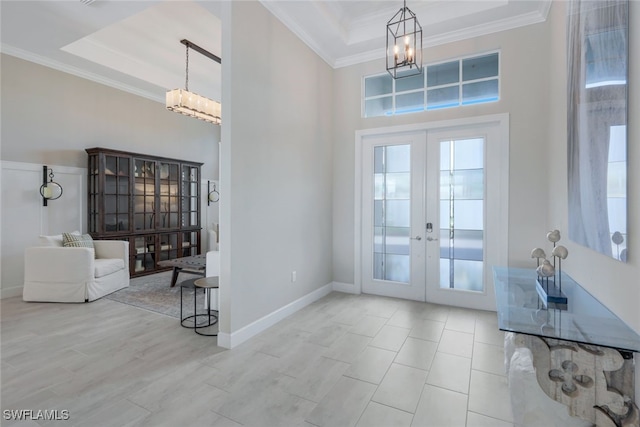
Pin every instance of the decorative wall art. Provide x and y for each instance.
(598, 51)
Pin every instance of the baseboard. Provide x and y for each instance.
(348, 288)
(14, 291)
(243, 334)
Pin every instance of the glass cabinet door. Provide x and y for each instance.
(168, 246)
(190, 243)
(144, 253)
(95, 225)
(116, 193)
(144, 192)
(169, 185)
(190, 199)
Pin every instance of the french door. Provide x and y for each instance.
(431, 221)
(393, 212)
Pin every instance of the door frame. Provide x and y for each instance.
(500, 163)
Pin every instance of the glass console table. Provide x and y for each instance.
(582, 352)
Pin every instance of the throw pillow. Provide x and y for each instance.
(53, 240)
(70, 240)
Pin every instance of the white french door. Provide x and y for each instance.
(432, 214)
(392, 197)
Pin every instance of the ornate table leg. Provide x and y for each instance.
(596, 383)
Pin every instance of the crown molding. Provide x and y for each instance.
(359, 58)
(56, 65)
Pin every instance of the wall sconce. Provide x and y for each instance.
(212, 195)
(49, 190)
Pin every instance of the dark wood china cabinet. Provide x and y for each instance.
(152, 202)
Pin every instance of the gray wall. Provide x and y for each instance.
(50, 117)
(276, 160)
(524, 95)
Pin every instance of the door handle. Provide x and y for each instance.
(432, 239)
(418, 238)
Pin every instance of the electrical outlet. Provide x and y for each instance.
(293, 276)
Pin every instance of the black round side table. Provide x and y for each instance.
(210, 319)
(206, 283)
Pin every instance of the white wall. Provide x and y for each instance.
(524, 96)
(276, 165)
(614, 283)
(49, 118)
(24, 218)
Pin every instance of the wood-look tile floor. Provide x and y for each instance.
(346, 360)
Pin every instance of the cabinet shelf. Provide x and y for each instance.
(137, 198)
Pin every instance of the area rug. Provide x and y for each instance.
(153, 292)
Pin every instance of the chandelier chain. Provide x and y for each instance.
(186, 82)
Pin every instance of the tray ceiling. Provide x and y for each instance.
(134, 45)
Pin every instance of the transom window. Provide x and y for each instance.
(464, 81)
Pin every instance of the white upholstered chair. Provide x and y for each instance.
(55, 273)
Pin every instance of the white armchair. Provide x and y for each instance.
(57, 274)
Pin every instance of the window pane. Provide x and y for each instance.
(378, 85)
(410, 83)
(397, 213)
(398, 158)
(465, 244)
(378, 164)
(397, 240)
(377, 107)
(469, 153)
(467, 184)
(445, 273)
(410, 102)
(392, 212)
(445, 155)
(462, 214)
(398, 185)
(480, 67)
(378, 213)
(378, 266)
(467, 214)
(466, 275)
(443, 74)
(378, 239)
(443, 82)
(443, 98)
(474, 93)
(397, 268)
(379, 186)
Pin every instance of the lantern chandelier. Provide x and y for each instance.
(404, 44)
(191, 104)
